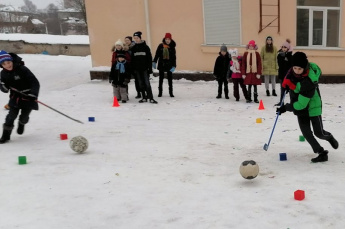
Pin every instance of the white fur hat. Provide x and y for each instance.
(233, 52)
(119, 42)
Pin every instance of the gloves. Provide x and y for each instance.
(3, 88)
(257, 76)
(31, 97)
(284, 108)
(243, 76)
(154, 65)
(172, 69)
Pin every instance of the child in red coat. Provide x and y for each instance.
(251, 70)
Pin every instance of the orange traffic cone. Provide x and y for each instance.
(116, 103)
(261, 105)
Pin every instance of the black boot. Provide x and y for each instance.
(249, 98)
(268, 93)
(219, 96)
(6, 134)
(322, 157)
(138, 96)
(226, 96)
(171, 92)
(256, 98)
(274, 92)
(20, 129)
(334, 143)
(160, 94)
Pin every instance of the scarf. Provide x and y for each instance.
(235, 67)
(291, 79)
(165, 52)
(251, 67)
(120, 66)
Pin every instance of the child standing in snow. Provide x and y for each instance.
(235, 69)
(251, 69)
(120, 76)
(220, 71)
(305, 101)
(284, 59)
(16, 78)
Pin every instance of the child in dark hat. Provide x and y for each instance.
(305, 101)
(220, 70)
(120, 76)
(16, 78)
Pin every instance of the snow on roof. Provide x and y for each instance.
(69, 10)
(36, 22)
(10, 9)
(46, 38)
(9, 17)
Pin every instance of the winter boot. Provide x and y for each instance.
(153, 101)
(160, 94)
(226, 96)
(6, 134)
(219, 96)
(20, 129)
(249, 98)
(268, 93)
(138, 96)
(322, 157)
(334, 143)
(274, 92)
(256, 98)
(171, 92)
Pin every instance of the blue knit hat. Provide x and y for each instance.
(4, 56)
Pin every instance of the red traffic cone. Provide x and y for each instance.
(261, 105)
(116, 103)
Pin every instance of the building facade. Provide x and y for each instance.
(200, 27)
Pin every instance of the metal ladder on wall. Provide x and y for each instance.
(276, 17)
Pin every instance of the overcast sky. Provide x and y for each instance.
(41, 4)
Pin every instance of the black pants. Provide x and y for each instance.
(13, 113)
(220, 85)
(239, 82)
(144, 82)
(316, 122)
(136, 82)
(161, 78)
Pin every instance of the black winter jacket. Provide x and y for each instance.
(120, 79)
(221, 66)
(166, 65)
(284, 62)
(22, 79)
(141, 57)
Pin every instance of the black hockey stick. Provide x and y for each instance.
(47, 106)
(274, 126)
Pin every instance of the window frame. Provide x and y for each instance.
(323, 9)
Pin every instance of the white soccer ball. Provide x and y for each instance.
(249, 169)
(79, 144)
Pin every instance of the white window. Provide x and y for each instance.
(318, 23)
(222, 22)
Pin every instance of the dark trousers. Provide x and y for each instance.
(250, 92)
(161, 78)
(136, 82)
(13, 113)
(144, 82)
(239, 82)
(316, 122)
(220, 85)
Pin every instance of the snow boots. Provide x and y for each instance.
(274, 92)
(321, 157)
(20, 129)
(6, 134)
(334, 143)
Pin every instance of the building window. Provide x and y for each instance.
(222, 22)
(318, 23)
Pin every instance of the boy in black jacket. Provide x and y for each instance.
(120, 76)
(220, 71)
(16, 77)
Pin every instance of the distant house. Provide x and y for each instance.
(15, 21)
(72, 22)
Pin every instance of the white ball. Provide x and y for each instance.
(79, 144)
(249, 169)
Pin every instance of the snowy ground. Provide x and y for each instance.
(170, 165)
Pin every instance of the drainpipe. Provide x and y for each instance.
(147, 19)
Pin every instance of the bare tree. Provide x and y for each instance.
(29, 7)
(78, 5)
(52, 21)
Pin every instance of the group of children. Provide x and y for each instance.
(134, 60)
